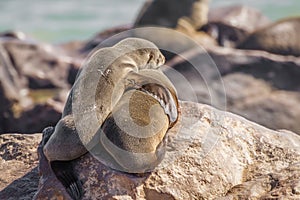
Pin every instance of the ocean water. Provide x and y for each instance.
(64, 20)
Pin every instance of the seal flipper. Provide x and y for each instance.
(63, 170)
(65, 174)
(165, 98)
(156, 84)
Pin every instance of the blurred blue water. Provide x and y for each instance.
(63, 20)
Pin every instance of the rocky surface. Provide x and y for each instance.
(33, 117)
(282, 184)
(102, 36)
(12, 88)
(257, 100)
(260, 86)
(31, 71)
(211, 154)
(43, 65)
(41, 115)
(18, 165)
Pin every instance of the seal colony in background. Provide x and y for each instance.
(120, 108)
(125, 82)
(211, 27)
(281, 37)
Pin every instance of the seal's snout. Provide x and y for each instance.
(160, 59)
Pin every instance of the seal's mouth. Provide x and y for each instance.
(164, 97)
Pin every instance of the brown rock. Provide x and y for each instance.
(40, 116)
(282, 184)
(102, 36)
(43, 65)
(260, 86)
(26, 65)
(280, 71)
(18, 165)
(12, 90)
(210, 153)
(257, 100)
(34, 117)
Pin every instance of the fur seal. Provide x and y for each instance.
(166, 13)
(134, 137)
(185, 26)
(106, 69)
(183, 16)
(135, 132)
(199, 14)
(112, 75)
(281, 37)
(226, 35)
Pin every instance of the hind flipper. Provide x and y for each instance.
(65, 174)
(63, 170)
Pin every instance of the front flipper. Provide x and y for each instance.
(156, 84)
(164, 97)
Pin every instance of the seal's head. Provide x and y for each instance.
(141, 50)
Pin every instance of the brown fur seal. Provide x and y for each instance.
(98, 95)
(226, 35)
(166, 13)
(281, 37)
(185, 26)
(184, 16)
(106, 69)
(135, 131)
